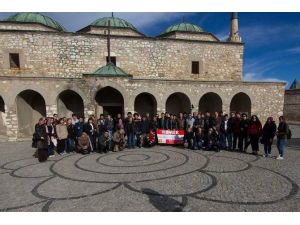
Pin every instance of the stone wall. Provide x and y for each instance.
(259, 93)
(24, 26)
(69, 55)
(113, 31)
(193, 36)
(292, 105)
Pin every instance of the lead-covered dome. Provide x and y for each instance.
(183, 27)
(115, 22)
(32, 17)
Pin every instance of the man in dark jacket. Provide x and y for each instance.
(243, 138)
(162, 121)
(226, 133)
(236, 129)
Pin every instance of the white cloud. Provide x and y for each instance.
(259, 35)
(259, 77)
(295, 50)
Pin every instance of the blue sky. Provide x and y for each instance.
(272, 40)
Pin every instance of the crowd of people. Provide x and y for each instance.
(203, 131)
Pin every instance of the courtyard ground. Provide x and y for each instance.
(162, 178)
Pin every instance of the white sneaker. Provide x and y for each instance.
(51, 156)
(279, 157)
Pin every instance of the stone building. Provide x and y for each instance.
(292, 102)
(45, 70)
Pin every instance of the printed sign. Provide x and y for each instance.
(170, 137)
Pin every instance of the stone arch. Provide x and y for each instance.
(69, 102)
(2, 117)
(30, 107)
(145, 103)
(241, 102)
(178, 102)
(109, 101)
(210, 102)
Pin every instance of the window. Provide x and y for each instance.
(195, 67)
(14, 60)
(112, 59)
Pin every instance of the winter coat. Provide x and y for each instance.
(244, 125)
(229, 127)
(268, 131)
(78, 129)
(255, 129)
(71, 133)
(129, 128)
(145, 127)
(236, 126)
(61, 131)
(282, 130)
(41, 137)
(83, 141)
(181, 123)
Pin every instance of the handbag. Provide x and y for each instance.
(54, 141)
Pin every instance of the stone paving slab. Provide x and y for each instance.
(162, 178)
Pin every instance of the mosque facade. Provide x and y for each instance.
(45, 69)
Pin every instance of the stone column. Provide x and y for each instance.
(11, 123)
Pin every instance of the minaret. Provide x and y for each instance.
(108, 44)
(234, 32)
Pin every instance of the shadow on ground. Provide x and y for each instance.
(163, 203)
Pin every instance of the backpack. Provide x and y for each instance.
(289, 134)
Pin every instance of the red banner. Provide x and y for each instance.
(170, 137)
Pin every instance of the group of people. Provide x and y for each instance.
(202, 131)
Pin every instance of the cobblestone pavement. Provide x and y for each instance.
(162, 178)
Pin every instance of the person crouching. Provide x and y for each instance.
(212, 140)
(104, 142)
(118, 140)
(189, 138)
(83, 145)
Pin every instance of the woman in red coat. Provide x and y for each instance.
(254, 132)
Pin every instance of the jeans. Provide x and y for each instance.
(130, 140)
(281, 146)
(50, 149)
(198, 145)
(70, 145)
(235, 140)
(268, 148)
(223, 138)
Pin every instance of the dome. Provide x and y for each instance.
(30, 17)
(110, 70)
(114, 22)
(183, 27)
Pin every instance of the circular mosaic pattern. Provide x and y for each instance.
(165, 176)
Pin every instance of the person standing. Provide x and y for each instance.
(71, 136)
(42, 142)
(129, 129)
(90, 129)
(225, 133)
(162, 122)
(50, 137)
(243, 138)
(268, 133)
(282, 133)
(254, 132)
(181, 122)
(62, 135)
(236, 130)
